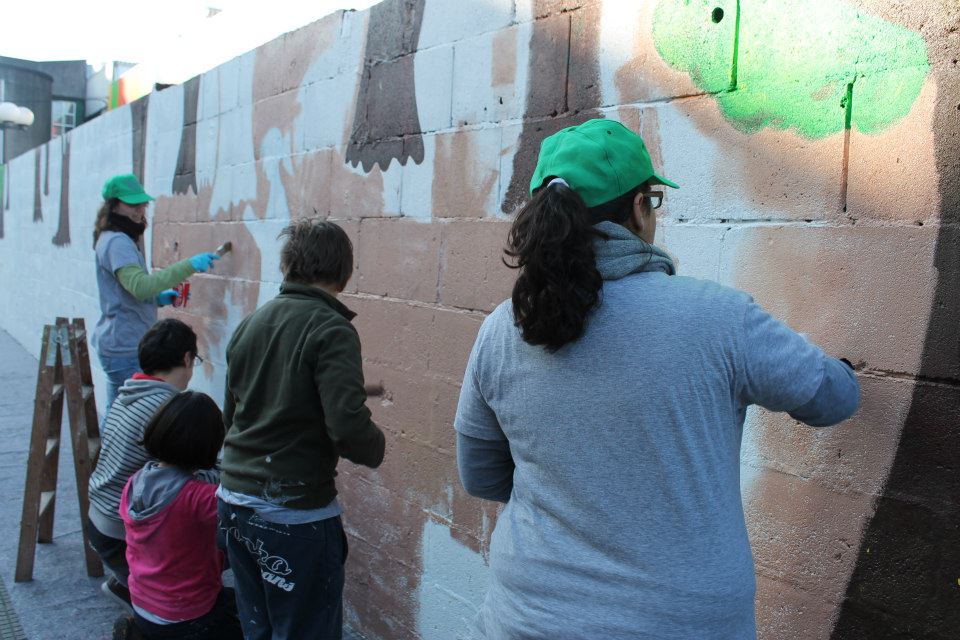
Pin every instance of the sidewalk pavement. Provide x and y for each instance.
(61, 602)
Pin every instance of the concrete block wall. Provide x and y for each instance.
(817, 146)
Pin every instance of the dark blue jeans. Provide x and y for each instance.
(288, 577)
(220, 623)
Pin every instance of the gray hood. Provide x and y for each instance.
(623, 253)
(153, 488)
(133, 390)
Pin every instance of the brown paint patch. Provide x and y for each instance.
(462, 185)
(386, 122)
(563, 73)
(62, 237)
(184, 227)
(37, 204)
(504, 63)
(644, 76)
(293, 54)
(185, 174)
(472, 275)
(138, 115)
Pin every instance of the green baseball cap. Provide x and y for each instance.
(600, 159)
(127, 188)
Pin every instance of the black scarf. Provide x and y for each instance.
(126, 225)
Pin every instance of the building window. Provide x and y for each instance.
(63, 117)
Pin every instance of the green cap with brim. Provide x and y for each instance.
(600, 160)
(126, 188)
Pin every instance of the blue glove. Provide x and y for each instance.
(166, 297)
(203, 261)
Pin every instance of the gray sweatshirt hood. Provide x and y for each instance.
(153, 488)
(624, 253)
(133, 390)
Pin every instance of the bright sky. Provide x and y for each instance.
(151, 30)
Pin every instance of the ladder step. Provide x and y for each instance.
(46, 499)
(56, 393)
(52, 444)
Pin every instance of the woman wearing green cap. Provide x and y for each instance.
(604, 404)
(129, 294)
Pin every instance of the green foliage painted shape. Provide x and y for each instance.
(787, 64)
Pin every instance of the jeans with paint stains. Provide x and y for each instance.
(288, 577)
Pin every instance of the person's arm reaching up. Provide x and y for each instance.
(147, 286)
(783, 371)
(339, 380)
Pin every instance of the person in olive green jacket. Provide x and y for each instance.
(294, 404)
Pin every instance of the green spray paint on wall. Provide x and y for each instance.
(789, 65)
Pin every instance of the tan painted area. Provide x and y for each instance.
(462, 185)
(504, 63)
(183, 228)
(894, 176)
(642, 75)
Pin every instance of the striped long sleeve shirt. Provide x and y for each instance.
(121, 453)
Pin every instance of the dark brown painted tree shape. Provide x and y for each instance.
(386, 123)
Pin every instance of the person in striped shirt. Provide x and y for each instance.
(167, 355)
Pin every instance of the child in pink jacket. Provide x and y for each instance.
(170, 516)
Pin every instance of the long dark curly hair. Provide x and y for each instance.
(551, 244)
(102, 222)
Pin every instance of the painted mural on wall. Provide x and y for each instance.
(828, 209)
(797, 65)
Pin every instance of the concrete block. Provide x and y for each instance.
(268, 68)
(302, 46)
(865, 293)
(467, 173)
(394, 334)
(803, 533)
(547, 83)
(729, 175)
(399, 259)
(647, 53)
(208, 104)
(390, 98)
(434, 75)
(228, 91)
(697, 248)
(527, 10)
(490, 74)
(893, 175)
(786, 611)
(444, 23)
(854, 456)
(358, 194)
(472, 275)
(326, 111)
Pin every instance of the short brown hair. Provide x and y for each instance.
(316, 251)
(186, 432)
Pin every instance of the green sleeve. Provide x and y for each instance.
(145, 286)
(339, 379)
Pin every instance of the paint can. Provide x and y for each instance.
(183, 294)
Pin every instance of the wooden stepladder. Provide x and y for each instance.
(64, 373)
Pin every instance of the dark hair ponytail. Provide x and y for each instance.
(551, 242)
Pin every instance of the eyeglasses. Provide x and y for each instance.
(655, 198)
(197, 360)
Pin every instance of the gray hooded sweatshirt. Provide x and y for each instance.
(121, 454)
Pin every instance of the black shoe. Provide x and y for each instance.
(117, 592)
(124, 629)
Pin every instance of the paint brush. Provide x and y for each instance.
(226, 247)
